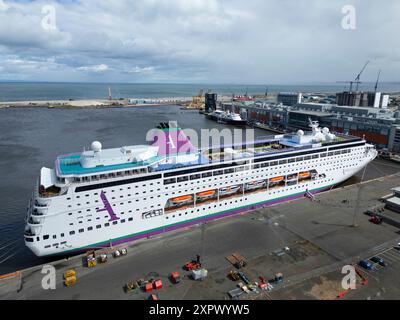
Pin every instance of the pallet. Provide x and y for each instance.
(236, 259)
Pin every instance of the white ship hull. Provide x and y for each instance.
(77, 221)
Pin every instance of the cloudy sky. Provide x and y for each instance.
(199, 41)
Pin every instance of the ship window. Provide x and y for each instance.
(307, 158)
(182, 179)
(130, 219)
(98, 226)
(292, 160)
(62, 235)
(323, 155)
(116, 183)
(195, 176)
(90, 228)
(72, 233)
(81, 230)
(115, 222)
(29, 239)
(54, 237)
(207, 174)
(218, 172)
(264, 165)
(46, 237)
(169, 181)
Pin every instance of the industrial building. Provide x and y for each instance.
(379, 126)
(289, 98)
(301, 119)
(362, 99)
(394, 139)
(210, 102)
(393, 203)
(375, 124)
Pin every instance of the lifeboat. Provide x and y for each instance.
(181, 199)
(277, 179)
(228, 190)
(304, 175)
(255, 184)
(206, 194)
(292, 177)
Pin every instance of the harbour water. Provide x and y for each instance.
(11, 91)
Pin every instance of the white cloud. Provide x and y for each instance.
(144, 70)
(96, 69)
(256, 41)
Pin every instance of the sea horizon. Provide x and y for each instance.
(13, 91)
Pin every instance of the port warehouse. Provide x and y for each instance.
(378, 125)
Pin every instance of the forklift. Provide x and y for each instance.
(194, 264)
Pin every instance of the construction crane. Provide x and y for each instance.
(377, 81)
(356, 80)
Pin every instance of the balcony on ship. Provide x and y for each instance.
(47, 187)
(29, 233)
(33, 223)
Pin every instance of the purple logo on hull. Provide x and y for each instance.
(107, 207)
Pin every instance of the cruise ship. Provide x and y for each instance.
(105, 197)
(227, 117)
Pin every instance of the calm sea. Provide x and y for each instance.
(64, 91)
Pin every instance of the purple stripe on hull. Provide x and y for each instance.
(214, 217)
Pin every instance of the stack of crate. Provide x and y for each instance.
(69, 277)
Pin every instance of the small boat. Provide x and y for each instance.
(181, 199)
(206, 194)
(277, 179)
(228, 190)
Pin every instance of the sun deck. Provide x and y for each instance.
(70, 165)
